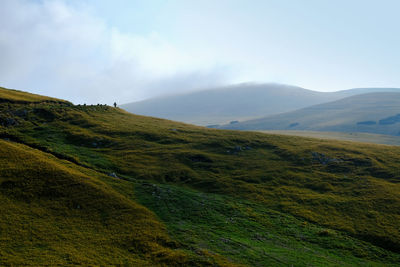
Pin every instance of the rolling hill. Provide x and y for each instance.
(16, 96)
(356, 137)
(239, 102)
(95, 185)
(371, 113)
(221, 105)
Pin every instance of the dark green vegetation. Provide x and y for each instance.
(239, 102)
(187, 195)
(253, 234)
(370, 113)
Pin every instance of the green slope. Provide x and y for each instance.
(219, 197)
(355, 137)
(56, 213)
(253, 234)
(16, 96)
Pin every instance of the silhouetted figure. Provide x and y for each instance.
(115, 104)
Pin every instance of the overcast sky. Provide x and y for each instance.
(101, 51)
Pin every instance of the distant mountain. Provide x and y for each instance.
(373, 113)
(237, 102)
(359, 91)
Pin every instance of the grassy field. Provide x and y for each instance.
(188, 195)
(252, 234)
(355, 137)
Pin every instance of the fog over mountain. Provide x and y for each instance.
(237, 102)
(372, 112)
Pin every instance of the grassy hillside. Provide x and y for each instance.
(56, 213)
(355, 137)
(188, 195)
(15, 96)
(372, 113)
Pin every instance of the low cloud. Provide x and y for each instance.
(53, 48)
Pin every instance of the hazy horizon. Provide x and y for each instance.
(105, 51)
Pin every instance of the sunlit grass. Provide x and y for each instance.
(346, 190)
(24, 97)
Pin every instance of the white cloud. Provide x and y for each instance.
(64, 51)
(151, 52)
